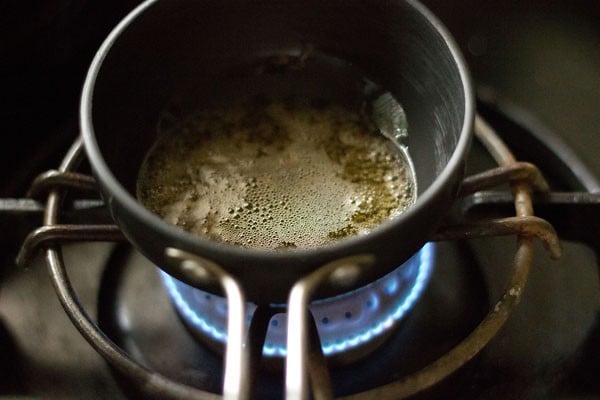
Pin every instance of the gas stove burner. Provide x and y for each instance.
(346, 322)
(438, 336)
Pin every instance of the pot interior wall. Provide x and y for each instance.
(183, 54)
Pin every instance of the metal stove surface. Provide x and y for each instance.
(549, 348)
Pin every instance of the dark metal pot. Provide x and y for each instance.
(164, 48)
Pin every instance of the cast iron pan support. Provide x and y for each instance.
(306, 371)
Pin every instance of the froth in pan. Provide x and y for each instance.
(276, 174)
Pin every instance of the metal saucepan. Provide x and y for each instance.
(184, 53)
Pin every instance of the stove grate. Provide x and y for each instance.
(305, 364)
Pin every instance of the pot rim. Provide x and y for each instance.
(341, 246)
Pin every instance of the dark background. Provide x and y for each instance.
(542, 55)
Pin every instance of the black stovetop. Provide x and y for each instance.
(541, 56)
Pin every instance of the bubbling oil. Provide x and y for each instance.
(276, 174)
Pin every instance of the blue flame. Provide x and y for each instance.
(344, 322)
